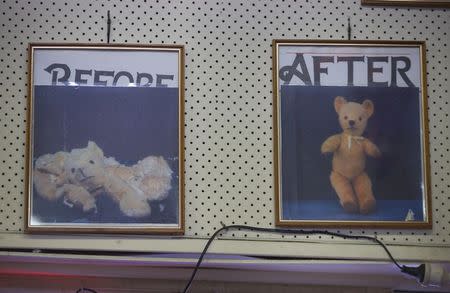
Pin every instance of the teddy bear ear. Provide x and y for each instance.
(369, 107)
(60, 157)
(338, 102)
(92, 146)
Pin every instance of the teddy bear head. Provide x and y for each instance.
(85, 166)
(353, 116)
(49, 174)
(51, 163)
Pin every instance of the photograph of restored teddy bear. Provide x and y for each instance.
(105, 155)
(351, 153)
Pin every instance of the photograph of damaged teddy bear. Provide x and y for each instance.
(79, 176)
(105, 151)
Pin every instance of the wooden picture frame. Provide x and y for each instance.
(410, 3)
(105, 150)
(351, 134)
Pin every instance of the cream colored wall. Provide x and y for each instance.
(229, 139)
(229, 168)
(228, 81)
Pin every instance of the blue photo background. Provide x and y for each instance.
(309, 118)
(127, 123)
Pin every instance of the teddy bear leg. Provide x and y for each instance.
(344, 191)
(134, 207)
(363, 190)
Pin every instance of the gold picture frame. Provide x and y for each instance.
(410, 3)
(105, 147)
(325, 173)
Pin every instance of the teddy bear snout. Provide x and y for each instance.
(351, 123)
(80, 174)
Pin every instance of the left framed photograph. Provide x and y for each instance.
(105, 147)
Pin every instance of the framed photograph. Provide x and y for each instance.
(105, 139)
(351, 134)
(413, 3)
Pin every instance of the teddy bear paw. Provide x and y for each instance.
(135, 208)
(350, 207)
(367, 206)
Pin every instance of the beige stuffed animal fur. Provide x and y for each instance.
(83, 174)
(349, 148)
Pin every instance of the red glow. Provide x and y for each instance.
(33, 273)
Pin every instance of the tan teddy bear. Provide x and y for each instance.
(149, 179)
(82, 174)
(349, 148)
(49, 175)
(71, 176)
(86, 168)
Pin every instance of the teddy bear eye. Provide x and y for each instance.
(360, 118)
(345, 117)
(92, 162)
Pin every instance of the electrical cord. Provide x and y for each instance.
(86, 290)
(417, 272)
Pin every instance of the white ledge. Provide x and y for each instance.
(359, 250)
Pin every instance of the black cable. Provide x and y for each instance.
(82, 290)
(408, 270)
(108, 28)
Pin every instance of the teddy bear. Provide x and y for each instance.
(151, 176)
(51, 182)
(149, 179)
(81, 175)
(348, 177)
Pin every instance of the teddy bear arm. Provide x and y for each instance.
(155, 187)
(46, 185)
(78, 196)
(134, 206)
(371, 149)
(331, 144)
(131, 200)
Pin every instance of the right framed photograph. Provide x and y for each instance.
(351, 134)
(410, 3)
